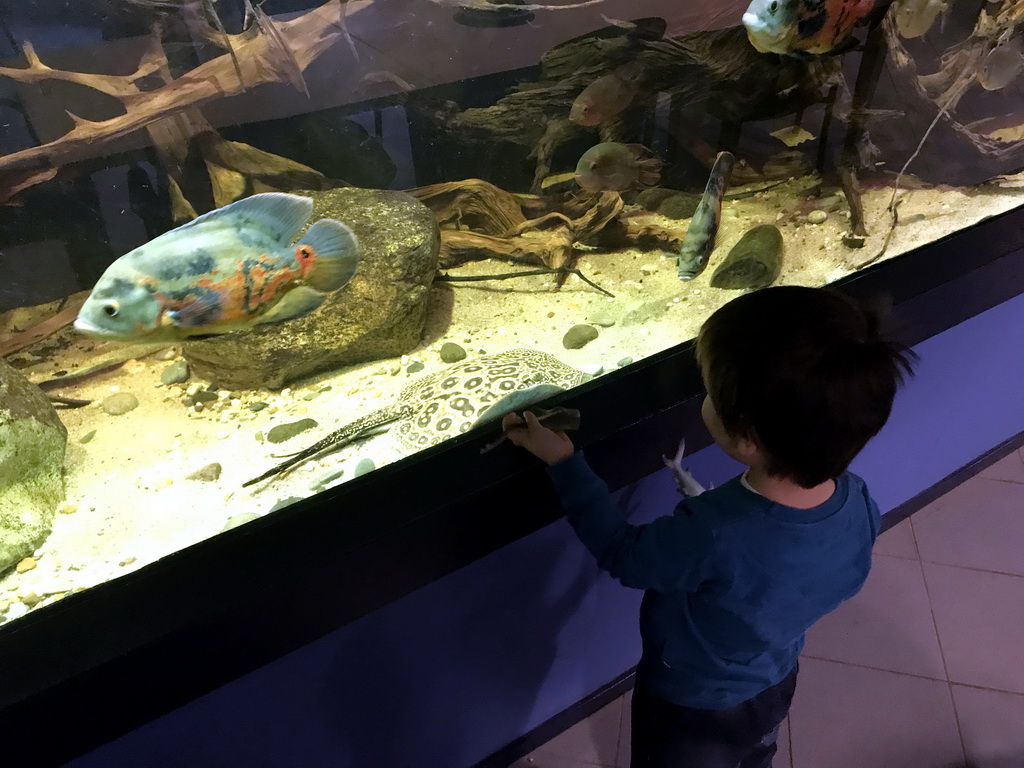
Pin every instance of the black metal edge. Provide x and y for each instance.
(560, 722)
(199, 618)
(607, 693)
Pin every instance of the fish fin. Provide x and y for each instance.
(337, 254)
(280, 214)
(203, 311)
(299, 301)
(639, 151)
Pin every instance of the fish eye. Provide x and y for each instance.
(110, 309)
(773, 7)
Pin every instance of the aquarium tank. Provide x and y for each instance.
(249, 252)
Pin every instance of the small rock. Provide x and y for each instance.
(208, 474)
(653, 197)
(260, 437)
(452, 353)
(283, 432)
(592, 369)
(87, 437)
(363, 466)
(282, 504)
(257, 406)
(67, 509)
(175, 373)
(25, 565)
(127, 561)
(311, 395)
(603, 317)
(31, 599)
(243, 517)
(648, 269)
(624, 362)
(816, 217)
(325, 480)
(167, 354)
(679, 206)
(643, 312)
(415, 367)
(120, 403)
(201, 396)
(579, 336)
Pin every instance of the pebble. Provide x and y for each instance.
(67, 509)
(624, 362)
(208, 474)
(579, 336)
(283, 432)
(648, 269)
(175, 373)
(284, 503)
(602, 317)
(202, 396)
(25, 565)
(363, 466)
(127, 561)
(167, 354)
(31, 599)
(325, 480)
(592, 369)
(121, 403)
(452, 353)
(257, 406)
(240, 519)
(816, 217)
(415, 367)
(87, 437)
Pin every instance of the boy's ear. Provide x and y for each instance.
(747, 448)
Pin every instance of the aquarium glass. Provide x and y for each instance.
(507, 199)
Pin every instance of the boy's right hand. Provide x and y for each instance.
(548, 446)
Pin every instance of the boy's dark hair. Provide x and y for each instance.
(805, 373)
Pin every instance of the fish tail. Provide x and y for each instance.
(337, 254)
(648, 166)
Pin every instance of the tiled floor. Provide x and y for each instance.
(923, 669)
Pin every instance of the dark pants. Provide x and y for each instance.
(670, 736)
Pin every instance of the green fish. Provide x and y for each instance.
(700, 236)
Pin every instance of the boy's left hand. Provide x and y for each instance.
(548, 446)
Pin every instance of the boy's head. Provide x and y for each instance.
(803, 374)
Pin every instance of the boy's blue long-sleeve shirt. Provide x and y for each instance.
(732, 579)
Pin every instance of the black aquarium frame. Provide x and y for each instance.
(97, 664)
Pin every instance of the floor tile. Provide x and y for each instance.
(979, 524)
(980, 625)
(887, 625)
(624, 730)
(1010, 469)
(992, 726)
(782, 756)
(845, 717)
(594, 741)
(898, 541)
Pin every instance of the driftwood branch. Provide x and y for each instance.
(260, 59)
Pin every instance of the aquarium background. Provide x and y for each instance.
(468, 110)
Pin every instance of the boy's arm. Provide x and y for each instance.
(668, 554)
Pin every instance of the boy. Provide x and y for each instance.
(798, 380)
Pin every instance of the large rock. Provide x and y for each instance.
(32, 443)
(380, 313)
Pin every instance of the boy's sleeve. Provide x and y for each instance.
(669, 554)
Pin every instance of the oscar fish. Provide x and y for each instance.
(802, 27)
(228, 270)
(615, 167)
(703, 229)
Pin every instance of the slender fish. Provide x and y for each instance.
(700, 237)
